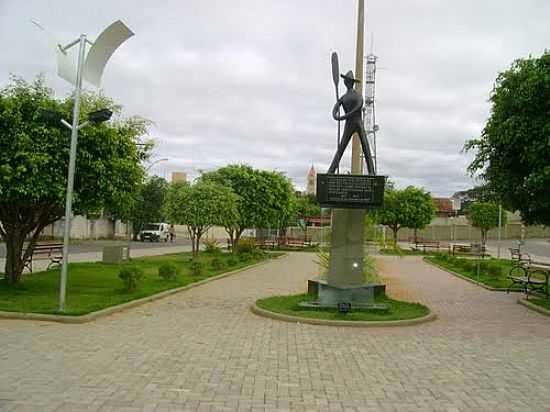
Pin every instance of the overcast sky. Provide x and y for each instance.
(250, 81)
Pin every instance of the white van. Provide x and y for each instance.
(155, 232)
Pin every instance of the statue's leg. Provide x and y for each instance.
(341, 148)
(366, 150)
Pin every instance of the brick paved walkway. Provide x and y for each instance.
(203, 350)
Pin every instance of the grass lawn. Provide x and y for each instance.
(95, 286)
(543, 303)
(288, 305)
(313, 248)
(493, 272)
(390, 251)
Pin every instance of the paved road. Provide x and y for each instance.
(203, 350)
(96, 246)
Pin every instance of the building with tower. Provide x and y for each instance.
(311, 181)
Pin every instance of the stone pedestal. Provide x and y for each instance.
(347, 248)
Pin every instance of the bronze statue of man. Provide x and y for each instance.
(352, 102)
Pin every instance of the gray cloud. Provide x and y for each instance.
(249, 81)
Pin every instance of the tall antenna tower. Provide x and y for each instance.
(369, 113)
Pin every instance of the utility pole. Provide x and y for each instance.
(356, 163)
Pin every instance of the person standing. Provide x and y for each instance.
(172, 232)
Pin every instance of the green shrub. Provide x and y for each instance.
(217, 263)
(245, 246)
(494, 269)
(258, 254)
(197, 267)
(130, 276)
(245, 257)
(468, 265)
(211, 246)
(232, 261)
(483, 266)
(168, 271)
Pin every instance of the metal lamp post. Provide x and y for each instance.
(165, 159)
(89, 67)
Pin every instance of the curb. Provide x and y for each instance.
(534, 307)
(123, 306)
(325, 322)
(475, 282)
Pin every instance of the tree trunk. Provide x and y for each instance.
(395, 229)
(415, 235)
(192, 237)
(14, 257)
(238, 234)
(197, 244)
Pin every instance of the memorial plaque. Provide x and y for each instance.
(350, 191)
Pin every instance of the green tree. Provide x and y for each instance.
(305, 206)
(263, 198)
(199, 207)
(34, 155)
(484, 216)
(511, 154)
(149, 203)
(410, 207)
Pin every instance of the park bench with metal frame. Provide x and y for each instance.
(527, 274)
(429, 244)
(45, 251)
(468, 249)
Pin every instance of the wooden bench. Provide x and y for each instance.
(528, 274)
(46, 251)
(429, 244)
(266, 243)
(468, 249)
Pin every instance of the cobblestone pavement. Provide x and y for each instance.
(203, 350)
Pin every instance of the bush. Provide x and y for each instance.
(232, 261)
(245, 246)
(211, 246)
(258, 254)
(168, 271)
(130, 276)
(197, 267)
(494, 269)
(217, 263)
(245, 257)
(465, 264)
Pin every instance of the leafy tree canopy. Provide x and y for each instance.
(199, 207)
(148, 206)
(410, 207)
(512, 153)
(34, 157)
(264, 198)
(484, 216)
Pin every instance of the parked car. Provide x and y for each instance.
(155, 232)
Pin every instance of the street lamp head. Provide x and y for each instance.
(100, 116)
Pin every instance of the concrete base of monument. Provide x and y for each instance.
(357, 295)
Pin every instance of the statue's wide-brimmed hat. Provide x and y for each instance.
(349, 76)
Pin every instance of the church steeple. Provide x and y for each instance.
(311, 187)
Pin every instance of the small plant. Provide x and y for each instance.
(217, 263)
(211, 246)
(197, 267)
(232, 261)
(258, 254)
(130, 276)
(494, 269)
(245, 257)
(168, 271)
(246, 246)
